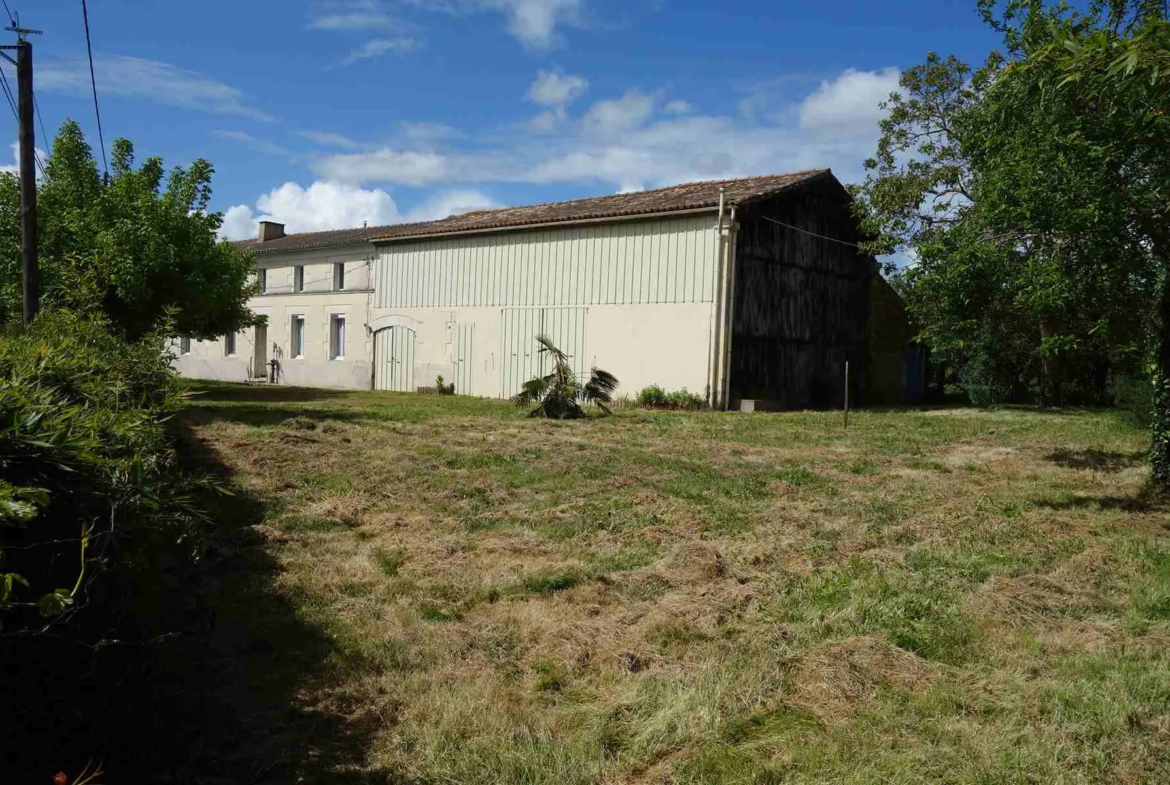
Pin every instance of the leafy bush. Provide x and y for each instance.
(560, 395)
(98, 522)
(1135, 395)
(656, 397)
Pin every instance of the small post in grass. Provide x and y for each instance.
(846, 393)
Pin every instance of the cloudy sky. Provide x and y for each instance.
(328, 113)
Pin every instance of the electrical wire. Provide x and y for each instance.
(40, 117)
(93, 81)
(806, 231)
(11, 18)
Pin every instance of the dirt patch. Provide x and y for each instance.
(833, 680)
(967, 455)
(696, 562)
(1032, 599)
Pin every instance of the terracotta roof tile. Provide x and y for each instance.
(688, 196)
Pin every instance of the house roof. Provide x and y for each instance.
(675, 198)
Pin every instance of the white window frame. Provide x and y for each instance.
(299, 278)
(297, 339)
(262, 278)
(338, 276)
(184, 344)
(229, 345)
(337, 336)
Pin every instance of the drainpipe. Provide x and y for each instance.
(729, 329)
(714, 328)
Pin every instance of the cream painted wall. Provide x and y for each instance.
(664, 344)
(633, 297)
(207, 359)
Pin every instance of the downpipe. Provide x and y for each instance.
(729, 328)
(714, 331)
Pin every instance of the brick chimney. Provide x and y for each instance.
(270, 230)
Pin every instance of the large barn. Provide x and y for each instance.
(750, 289)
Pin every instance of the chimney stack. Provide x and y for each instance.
(270, 230)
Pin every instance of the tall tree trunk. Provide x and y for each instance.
(1160, 427)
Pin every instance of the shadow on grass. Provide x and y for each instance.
(1101, 460)
(263, 415)
(1144, 501)
(270, 393)
(196, 682)
(240, 686)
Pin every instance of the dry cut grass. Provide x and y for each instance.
(934, 596)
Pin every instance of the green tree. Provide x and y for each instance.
(133, 247)
(1106, 74)
(997, 194)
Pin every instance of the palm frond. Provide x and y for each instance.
(601, 385)
(559, 394)
(532, 391)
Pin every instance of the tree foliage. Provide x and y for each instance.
(1028, 272)
(561, 395)
(134, 247)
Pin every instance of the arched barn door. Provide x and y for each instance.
(394, 359)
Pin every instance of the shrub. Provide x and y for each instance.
(560, 395)
(656, 397)
(97, 520)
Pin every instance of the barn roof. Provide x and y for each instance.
(675, 198)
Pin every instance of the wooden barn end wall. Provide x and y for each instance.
(801, 302)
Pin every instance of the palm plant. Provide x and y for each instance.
(560, 395)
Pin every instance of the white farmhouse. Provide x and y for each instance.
(743, 289)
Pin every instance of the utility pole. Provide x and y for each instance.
(28, 174)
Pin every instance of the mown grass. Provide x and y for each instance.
(928, 596)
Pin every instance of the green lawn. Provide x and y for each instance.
(438, 589)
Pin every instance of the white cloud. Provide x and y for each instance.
(254, 142)
(353, 15)
(678, 107)
(421, 131)
(136, 77)
(627, 143)
(553, 89)
(238, 223)
(378, 47)
(327, 205)
(849, 103)
(606, 118)
(547, 121)
(331, 140)
(534, 23)
(410, 167)
(14, 167)
(450, 203)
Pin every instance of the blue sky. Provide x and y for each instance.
(325, 113)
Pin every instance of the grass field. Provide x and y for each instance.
(437, 589)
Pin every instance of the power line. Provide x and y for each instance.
(93, 81)
(11, 18)
(40, 118)
(806, 231)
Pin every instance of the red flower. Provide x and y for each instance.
(60, 778)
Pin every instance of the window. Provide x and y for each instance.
(298, 336)
(262, 278)
(229, 344)
(339, 276)
(337, 337)
(185, 345)
(299, 278)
